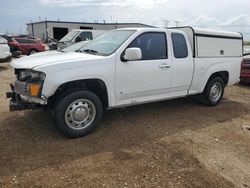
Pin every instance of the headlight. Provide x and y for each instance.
(25, 75)
(29, 82)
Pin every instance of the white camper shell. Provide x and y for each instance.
(213, 43)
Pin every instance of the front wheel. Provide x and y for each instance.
(78, 113)
(214, 91)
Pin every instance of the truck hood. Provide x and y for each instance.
(51, 57)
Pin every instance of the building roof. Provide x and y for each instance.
(89, 23)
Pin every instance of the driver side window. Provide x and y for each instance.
(152, 44)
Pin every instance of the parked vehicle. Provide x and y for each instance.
(75, 47)
(75, 36)
(30, 46)
(126, 67)
(13, 44)
(52, 43)
(245, 69)
(5, 54)
(246, 49)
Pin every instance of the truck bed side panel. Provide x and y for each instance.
(205, 67)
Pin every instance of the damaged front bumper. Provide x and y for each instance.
(20, 102)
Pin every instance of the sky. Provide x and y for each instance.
(231, 15)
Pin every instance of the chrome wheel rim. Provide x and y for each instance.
(215, 92)
(80, 114)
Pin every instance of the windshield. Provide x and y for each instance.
(107, 43)
(70, 36)
(75, 47)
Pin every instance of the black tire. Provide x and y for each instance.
(63, 119)
(33, 51)
(209, 95)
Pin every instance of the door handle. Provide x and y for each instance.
(164, 66)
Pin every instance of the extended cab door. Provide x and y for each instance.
(146, 79)
(183, 64)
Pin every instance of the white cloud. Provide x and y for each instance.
(240, 20)
(204, 20)
(147, 4)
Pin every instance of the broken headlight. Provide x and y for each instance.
(26, 75)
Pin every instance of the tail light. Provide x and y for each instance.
(42, 45)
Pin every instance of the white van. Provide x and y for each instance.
(5, 54)
(79, 35)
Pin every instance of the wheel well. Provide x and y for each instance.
(33, 49)
(97, 86)
(222, 74)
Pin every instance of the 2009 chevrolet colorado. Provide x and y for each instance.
(126, 67)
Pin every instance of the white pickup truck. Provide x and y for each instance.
(126, 67)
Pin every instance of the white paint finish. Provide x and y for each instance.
(133, 82)
(207, 46)
(182, 69)
(4, 49)
(205, 67)
(216, 32)
(190, 34)
(80, 67)
(142, 80)
(212, 47)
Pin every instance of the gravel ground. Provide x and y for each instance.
(177, 143)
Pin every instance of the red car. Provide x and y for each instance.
(30, 46)
(245, 69)
(13, 44)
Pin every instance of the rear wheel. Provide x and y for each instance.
(214, 91)
(33, 51)
(78, 113)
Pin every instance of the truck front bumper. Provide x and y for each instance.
(16, 102)
(20, 102)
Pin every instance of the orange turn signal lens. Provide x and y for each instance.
(34, 90)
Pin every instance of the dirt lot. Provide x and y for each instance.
(177, 143)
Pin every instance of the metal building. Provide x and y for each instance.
(57, 29)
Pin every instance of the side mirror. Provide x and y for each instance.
(78, 39)
(132, 54)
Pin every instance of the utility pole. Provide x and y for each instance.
(177, 23)
(166, 22)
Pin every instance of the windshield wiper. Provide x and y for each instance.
(90, 51)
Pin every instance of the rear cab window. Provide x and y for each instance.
(179, 45)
